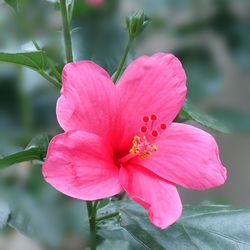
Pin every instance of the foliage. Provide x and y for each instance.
(209, 226)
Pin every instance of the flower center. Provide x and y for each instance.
(142, 147)
(143, 144)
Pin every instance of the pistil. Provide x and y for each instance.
(143, 144)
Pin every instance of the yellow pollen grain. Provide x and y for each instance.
(154, 148)
(147, 152)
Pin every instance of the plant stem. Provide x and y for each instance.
(66, 31)
(108, 216)
(122, 61)
(71, 10)
(54, 70)
(50, 63)
(92, 208)
(37, 46)
(50, 79)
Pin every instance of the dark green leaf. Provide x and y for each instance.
(103, 203)
(203, 227)
(47, 217)
(112, 230)
(34, 60)
(41, 142)
(34, 218)
(36, 150)
(235, 120)
(114, 245)
(26, 155)
(189, 111)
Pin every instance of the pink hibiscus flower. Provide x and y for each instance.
(95, 2)
(122, 137)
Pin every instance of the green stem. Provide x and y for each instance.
(89, 207)
(36, 44)
(95, 205)
(54, 70)
(108, 216)
(50, 79)
(66, 31)
(71, 10)
(92, 209)
(122, 61)
(50, 63)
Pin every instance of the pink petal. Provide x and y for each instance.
(80, 165)
(158, 196)
(187, 156)
(88, 99)
(151, 85)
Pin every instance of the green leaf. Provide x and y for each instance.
(4, 214)
(189, 111)
(36, 150)
(103, 203)
(26, 155)
(112, 230)
(41, 142)
(201, 227)
(47, 217)
(32, 218)
(34, 60)
(35, 217)
(114, 245)
(235, 120)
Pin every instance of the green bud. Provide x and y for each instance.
(136, 24)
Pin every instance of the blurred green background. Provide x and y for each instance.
(211, 38)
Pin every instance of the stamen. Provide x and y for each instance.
(163, 126)
(154, 133)
(134, 149)
(143, 144)
(144, 129)
(145, 119)
(142, 147)
(153, 117)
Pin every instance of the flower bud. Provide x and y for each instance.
(136, 24)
